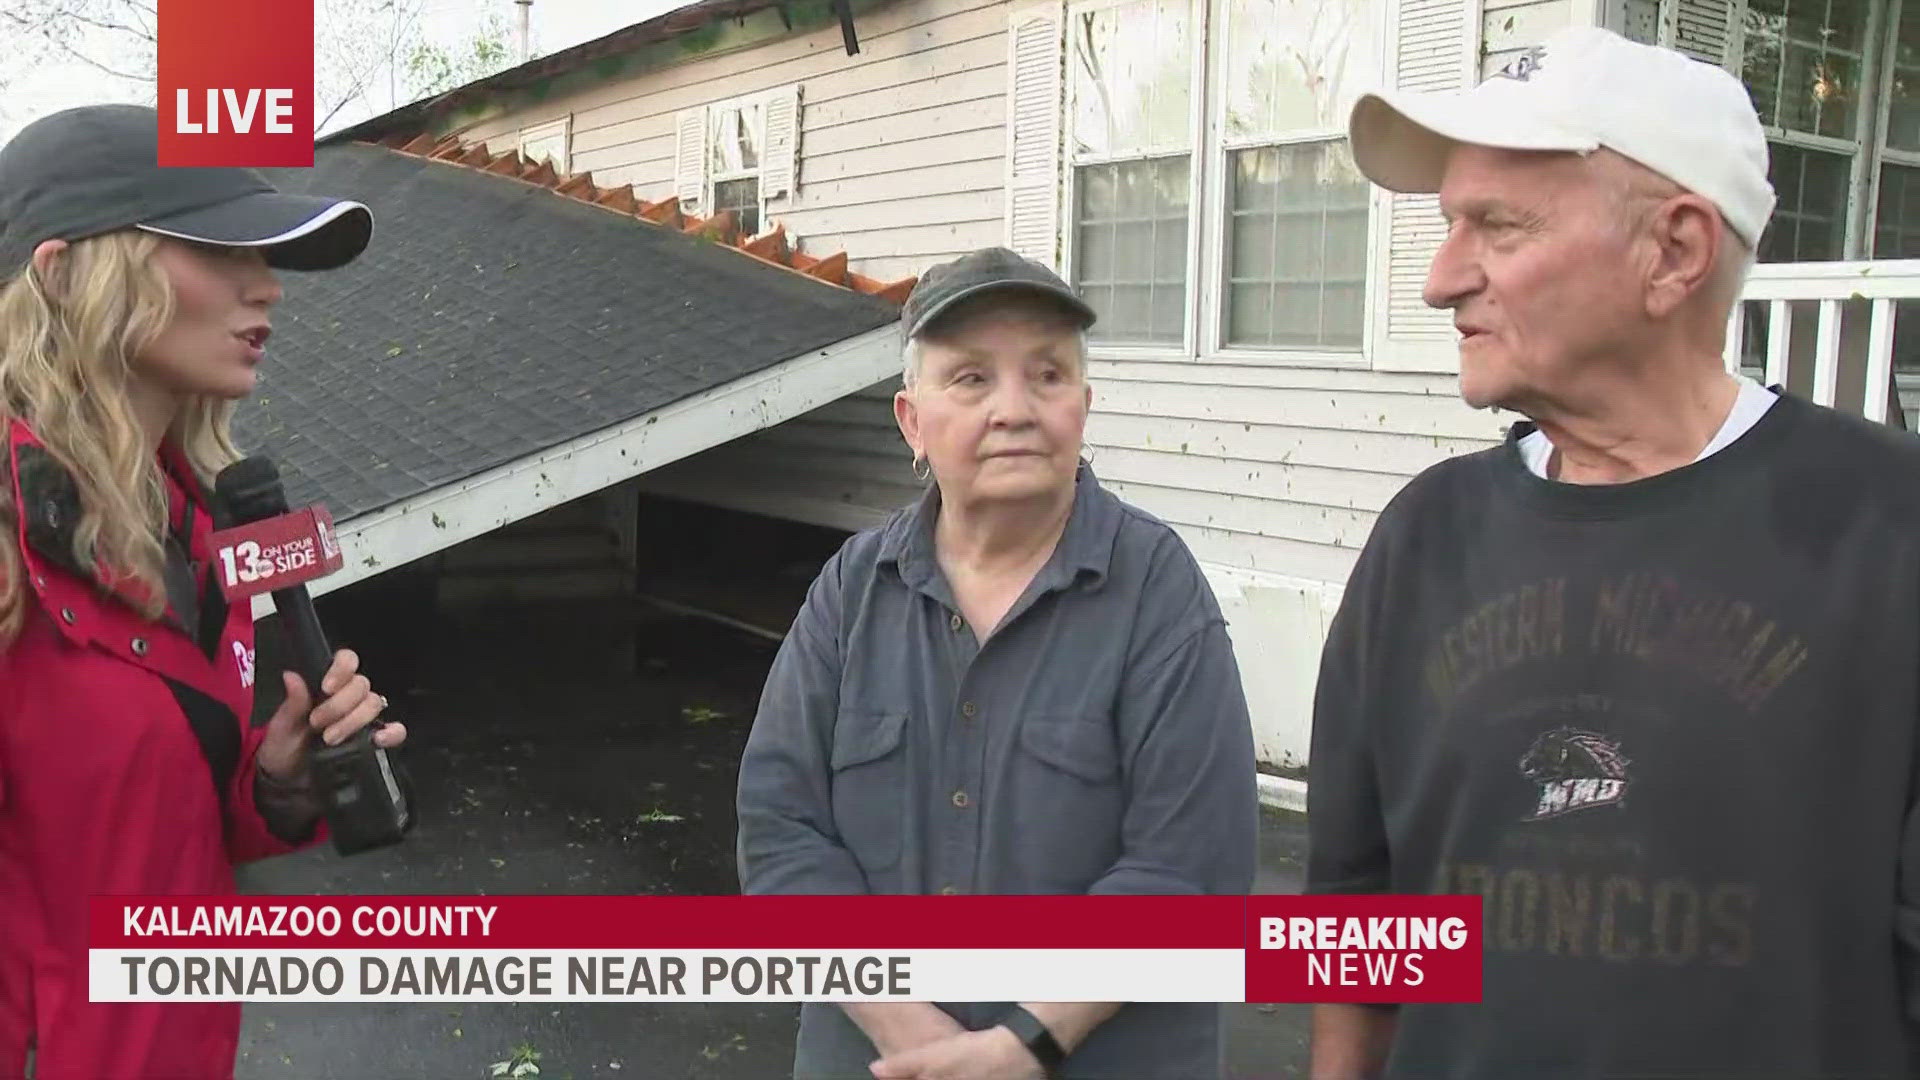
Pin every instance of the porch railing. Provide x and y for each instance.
(1845, 334)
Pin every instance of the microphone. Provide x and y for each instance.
(265, 547)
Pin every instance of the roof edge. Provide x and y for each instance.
(392, 536)
(772, 248)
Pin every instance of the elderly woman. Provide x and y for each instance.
(1018, 685)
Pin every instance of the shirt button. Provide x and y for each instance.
(66, 615)
(955, 622)
(967, 710)
(960, 799)
(139, 646)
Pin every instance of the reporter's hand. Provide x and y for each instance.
(351, 705)
(993, 1053)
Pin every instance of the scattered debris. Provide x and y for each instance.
(523, 1061)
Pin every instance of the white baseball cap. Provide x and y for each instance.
(1582, 89)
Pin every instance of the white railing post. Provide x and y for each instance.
(1826, 353)
(1884, 283)
(1779, 329)
(1880, 363)
(1736, 336)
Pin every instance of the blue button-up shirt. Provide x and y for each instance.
(1097, 742)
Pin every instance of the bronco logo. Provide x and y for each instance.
(1576, 770)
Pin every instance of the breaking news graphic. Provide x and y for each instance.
(1386, 949)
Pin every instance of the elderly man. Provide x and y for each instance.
(1020, 684)
(1643, 677)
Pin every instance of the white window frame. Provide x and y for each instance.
(563, 127)
(1884, 154)
(1071, 163)
(1204, 338)
(782, 152)
(1214, 347)
(763, 99)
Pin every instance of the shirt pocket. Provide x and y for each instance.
(870, 787)
(1080, 746)
(1069, 799)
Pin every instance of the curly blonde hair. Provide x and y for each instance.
(68, 340)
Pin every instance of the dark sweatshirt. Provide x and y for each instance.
(1667, 730)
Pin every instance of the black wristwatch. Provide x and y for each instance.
(1037, 1039)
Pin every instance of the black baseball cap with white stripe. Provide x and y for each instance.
(93, 170)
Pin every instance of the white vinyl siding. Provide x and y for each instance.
(549, 143)
(900, 150)
(842, 466)
(1271, 459)
(907, 153)
(1511, 27)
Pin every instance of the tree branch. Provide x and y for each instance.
(102, 24)
(91, 62)
(335, 111)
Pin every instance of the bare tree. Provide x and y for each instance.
(118, 38)
(357, 44)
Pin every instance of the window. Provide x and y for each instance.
(1296, 205)
(1804, 62)
(738, 155)
(1897, 216)
(1837, 87)
(736, 133)
(548, 142)
(1130, 148)
(1209, 201)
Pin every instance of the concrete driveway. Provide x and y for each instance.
(552, 772)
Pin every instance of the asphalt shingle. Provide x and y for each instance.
(491, 319)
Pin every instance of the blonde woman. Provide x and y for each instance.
(134, 305)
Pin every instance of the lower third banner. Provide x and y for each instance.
(1382, 949)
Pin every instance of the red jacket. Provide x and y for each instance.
(104, 788)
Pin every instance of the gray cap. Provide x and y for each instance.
(92, 170)
(986, 270)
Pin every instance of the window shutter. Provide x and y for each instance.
(1034, 109)
(779, 171)
(1433, 48)
(690, 157)
(1706, 30)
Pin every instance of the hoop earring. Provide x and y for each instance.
(918, 474)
